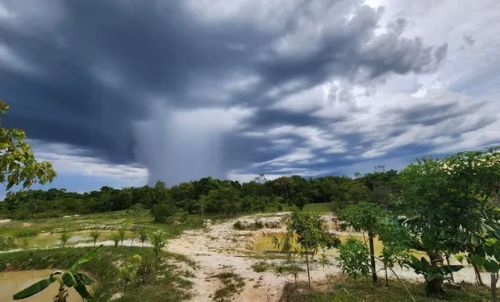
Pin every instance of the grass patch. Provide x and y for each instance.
(232, 284)
(341, 289)
(23, 233)
(319, 208)
(155, 281)
(45, 233)
(261, 266)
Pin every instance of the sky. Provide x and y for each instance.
(125, 93)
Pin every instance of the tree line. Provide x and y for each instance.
(206, 195)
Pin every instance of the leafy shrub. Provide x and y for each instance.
(26, 233)
(257, 225)
(354, 258)
(7, 243)
(238, 225)
(65, 236)
(261, 266)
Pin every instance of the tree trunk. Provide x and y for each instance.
(386, 278)
(372, 258)
(478, 275)
(494, 279)
(435, 287)
(448, 262)
(308, 274)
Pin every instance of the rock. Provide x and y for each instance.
(116, 296)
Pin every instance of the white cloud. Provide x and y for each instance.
(71, 160)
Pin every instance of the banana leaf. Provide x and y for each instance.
(33, 289)
(84, 279)
(68, 279)
(82, 290)
(85, 259)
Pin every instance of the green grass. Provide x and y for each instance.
(261, 266)
(156, 281)
(319, 208)
(43, 233)
(341, 289)
(232, 284)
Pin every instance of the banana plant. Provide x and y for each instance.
(66, 279)
(433, 274)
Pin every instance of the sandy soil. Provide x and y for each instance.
(220, 248)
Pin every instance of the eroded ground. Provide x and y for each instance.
(221, 248)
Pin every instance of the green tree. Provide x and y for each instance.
(312, 234)
(396, 245)
(488, 255)
(476, 175)
(67, 279)
(224, 199)
(431, 203)
(366, 217)
(17, 162)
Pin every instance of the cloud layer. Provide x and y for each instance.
(215, 88)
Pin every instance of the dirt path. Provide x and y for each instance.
(220, 248)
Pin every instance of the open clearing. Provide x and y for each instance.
(220, 248)
(224, 256)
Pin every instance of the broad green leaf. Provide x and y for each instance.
(84, 278)
(476, 260)
(448, 269)
(33, 289)
(85, 258)
(491, 266)
(82, 290)
(68, 279)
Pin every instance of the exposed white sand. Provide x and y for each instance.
(220, 248)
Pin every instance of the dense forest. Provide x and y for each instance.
(206, 195)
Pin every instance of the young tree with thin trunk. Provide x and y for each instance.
(95, 234)
(143, 235)
(368, 218)
(121, 234)
(312, 234)
(64, 238)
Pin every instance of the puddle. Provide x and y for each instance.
(12, 282)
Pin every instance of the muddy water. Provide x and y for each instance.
(12, 282)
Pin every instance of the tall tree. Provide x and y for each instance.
(431, 202)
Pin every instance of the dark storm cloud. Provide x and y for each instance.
(87, 71)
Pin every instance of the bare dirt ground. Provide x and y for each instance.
(220, 248)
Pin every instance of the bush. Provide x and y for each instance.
(354, 258)
(261, 266)
(26, 233)
(7, 243)
(238, 225)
